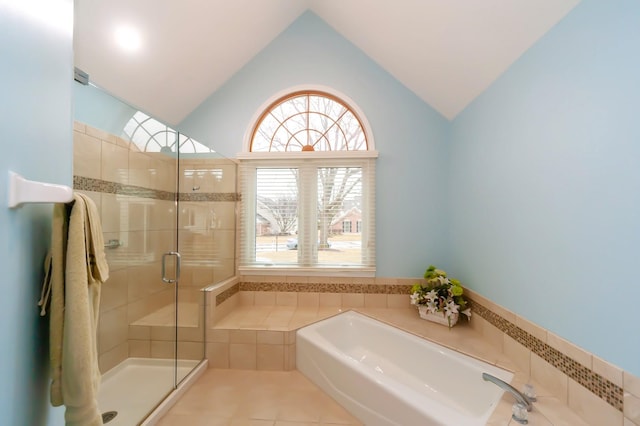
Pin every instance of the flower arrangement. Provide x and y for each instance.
(440, 294)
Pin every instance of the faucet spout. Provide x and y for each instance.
(507, 387)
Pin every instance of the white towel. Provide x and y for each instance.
(78, 268)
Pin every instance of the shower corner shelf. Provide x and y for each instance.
(22, 191)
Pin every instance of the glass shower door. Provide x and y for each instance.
(177, 330)
(196, 244)
(153, 283)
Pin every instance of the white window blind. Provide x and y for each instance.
(292, 213)
(276, 213)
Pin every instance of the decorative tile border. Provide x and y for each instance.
(223, 296)
(97, 185)
(326, 288)
(208, 196)
(594, 382)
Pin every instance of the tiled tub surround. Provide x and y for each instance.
(135, 194)
(567, 376)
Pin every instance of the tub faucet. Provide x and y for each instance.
(522, 399)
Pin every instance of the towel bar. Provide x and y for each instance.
(23, 191)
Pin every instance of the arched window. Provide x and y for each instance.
(308, 121)
(150, 135)
(309, 170)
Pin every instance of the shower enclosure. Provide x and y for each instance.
(167, 207)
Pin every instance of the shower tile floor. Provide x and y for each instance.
(255, 398)
(146, 381)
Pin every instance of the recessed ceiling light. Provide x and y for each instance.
(128, 38)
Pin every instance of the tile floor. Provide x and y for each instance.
(255, 398)
(286, 398)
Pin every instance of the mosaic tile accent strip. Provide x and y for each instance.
(208, 196)
(595, 383)
(97, 185)
(82, 183)
(326, 288)
(220, 298)
(592, 381)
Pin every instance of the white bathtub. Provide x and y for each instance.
(385, 376)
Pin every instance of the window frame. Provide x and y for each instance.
(285, 123)
(249, 162)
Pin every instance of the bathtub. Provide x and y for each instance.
(385, 376)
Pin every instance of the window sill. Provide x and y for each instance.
(333, 271)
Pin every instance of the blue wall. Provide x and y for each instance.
(531, 196)
(545, 183)
(35, 130)
(409, 135)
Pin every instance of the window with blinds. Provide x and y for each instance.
(276, 204)
(309, 204)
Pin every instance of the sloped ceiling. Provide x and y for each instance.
(446, 51)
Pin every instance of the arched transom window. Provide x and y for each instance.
(308, 121)
(150, 135)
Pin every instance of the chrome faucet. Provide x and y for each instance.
(522, 399)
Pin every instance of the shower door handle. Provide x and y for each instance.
(164, 267)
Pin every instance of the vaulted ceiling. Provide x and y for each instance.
(446, 51)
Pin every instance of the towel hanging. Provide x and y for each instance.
(75, 271)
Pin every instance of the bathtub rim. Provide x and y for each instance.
(511, 369)
(315, 338)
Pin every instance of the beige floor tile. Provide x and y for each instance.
(255, 398)
(299, 412)
(251, 422)
(207, 405)
(333, 413)
(192, 420)
(262, 407)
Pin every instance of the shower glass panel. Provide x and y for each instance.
(159, 193)
(206, 238)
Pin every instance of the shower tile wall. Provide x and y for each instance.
(206, 241)
(207, 221)
(135, 193)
